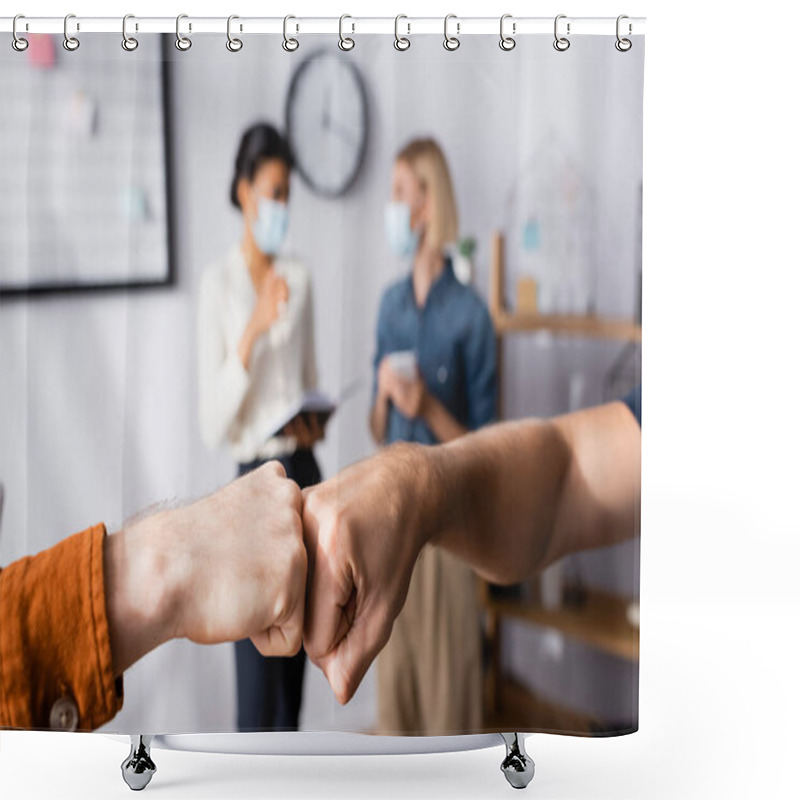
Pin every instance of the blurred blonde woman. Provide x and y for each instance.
(435, 379)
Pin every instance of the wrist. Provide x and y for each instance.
(246, 345)
(141, 590)
(426, 481)
(383, 394)
(445, 500)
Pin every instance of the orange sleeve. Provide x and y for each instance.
(55, 652)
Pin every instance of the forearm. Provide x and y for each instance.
(517, 496)
(246, 344)
(223, 385)
(501, 489)
(141, 589)
(378, 418)
(444, 425)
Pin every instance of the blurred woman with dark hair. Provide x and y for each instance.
(256, 358)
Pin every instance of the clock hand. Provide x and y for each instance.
(341, 132)
(326, 113)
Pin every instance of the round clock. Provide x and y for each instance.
(326, 122)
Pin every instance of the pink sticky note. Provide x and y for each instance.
(42, 49)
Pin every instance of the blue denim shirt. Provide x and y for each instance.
(454, 341)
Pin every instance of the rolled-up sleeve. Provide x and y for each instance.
(56, 670)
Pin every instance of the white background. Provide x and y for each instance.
(720, 605)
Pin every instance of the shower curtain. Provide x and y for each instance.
(463, 219)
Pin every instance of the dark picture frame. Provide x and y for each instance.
(48, 288)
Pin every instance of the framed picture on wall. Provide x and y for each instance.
(85, 188)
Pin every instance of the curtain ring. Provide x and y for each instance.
(507, 42)
(183, 43)
(233, 44)
(70, 43)
(290, 44)
(561, 43)
(19, 43)
(623, 45)
(129, 43)
(346, 42)
(451, 42)
(401, 42)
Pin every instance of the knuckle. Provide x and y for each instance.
(275, 468)
(312, 500)
(281, 607)
(294, 640)
(294, 494)
(346, 684)
(338, 520)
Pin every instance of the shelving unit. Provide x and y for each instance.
(601, 620)
(587, 326)
(566, 324)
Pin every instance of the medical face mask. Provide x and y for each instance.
(270, 224)
(397, 220)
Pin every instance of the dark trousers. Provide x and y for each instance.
(269, 688)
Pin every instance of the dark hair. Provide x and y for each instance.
(260, 142)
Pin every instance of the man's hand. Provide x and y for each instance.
(227, 567)
(363, 530)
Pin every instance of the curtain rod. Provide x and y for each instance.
(349, 25)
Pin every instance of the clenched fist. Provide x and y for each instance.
(227, 567)
(364, 530)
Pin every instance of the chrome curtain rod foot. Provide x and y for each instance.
(138, 768)
(517, 766)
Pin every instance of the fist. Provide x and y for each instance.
(242, 562)
(363, 531)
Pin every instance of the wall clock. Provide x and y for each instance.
(326, 122)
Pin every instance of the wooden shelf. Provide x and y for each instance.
(601, 621)
(523, 710)
(506, 321)
(589, 327)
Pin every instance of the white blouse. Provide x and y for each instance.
(237, 406)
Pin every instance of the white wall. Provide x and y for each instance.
(98, 396)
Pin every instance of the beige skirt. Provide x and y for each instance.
(429, 673)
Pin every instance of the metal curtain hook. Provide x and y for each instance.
(401, 42)
(70, 43)
(182, 42)
(346, 42)
(507, 42)
(18, 42)
(129, 43)
(451, 42)
(561, 43)
(623, 45)
(290, 44)
(233, 44)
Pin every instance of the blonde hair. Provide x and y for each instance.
(428, 163)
